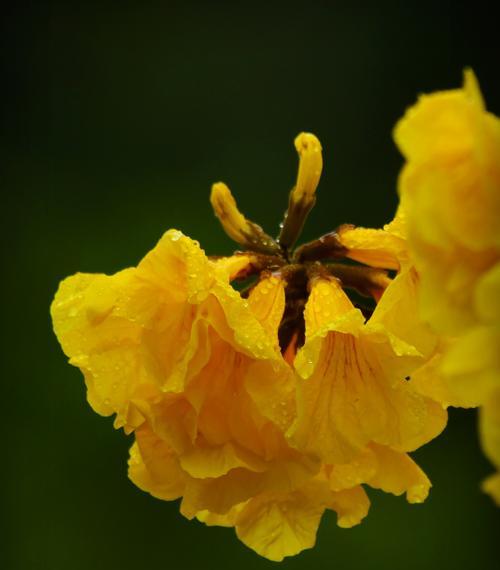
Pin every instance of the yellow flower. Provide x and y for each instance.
(261, 408)
(450, 189)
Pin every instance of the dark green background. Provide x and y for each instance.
(118, 119)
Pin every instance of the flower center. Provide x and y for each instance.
(298, 267)
(364, 286)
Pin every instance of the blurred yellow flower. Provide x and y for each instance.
(450, 189)
(263, 407)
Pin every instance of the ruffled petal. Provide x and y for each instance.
(104, 346)
(174, 420)
(154, 468)
(472, 365)
(125, 331)
(176, 266)
(343, 476)
(397, 313)
(276, 526)
(220, 494)
(430, 381)
(487, 296)
(272, 389)
(285, 473)
(214, 519)
(204, 462)
(385, 248)
(373, 247)
(448, 280)
(248, 334)
(397, 473)
(352, 389)
(267, 303)
(351, 505)
(228, 268)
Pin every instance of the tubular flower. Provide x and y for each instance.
(450, 189)
(261, 408)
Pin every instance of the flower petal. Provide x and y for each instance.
(487, 296)
(276, 526)
(397, 312)
(429, 381)
(472, 365)
(219, 495)
(112, 327)
(228, 268)
(101, 344)
(267, 303)
(154, 468)
(377, 248)
(214, 461)
(352, 388)
(349, 475)
(397, 473)
(351, 505)
(214, 519)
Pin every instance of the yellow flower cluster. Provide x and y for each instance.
(450, 190)
(260, 409)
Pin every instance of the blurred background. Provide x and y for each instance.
(117, 119)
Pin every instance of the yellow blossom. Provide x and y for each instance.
(450, 189)
(262, 408)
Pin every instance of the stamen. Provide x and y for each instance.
(326, 247)
(303, 196)
(252, 264)
(367, 281)
(258, 268)
(310, 166)
(240, 229)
